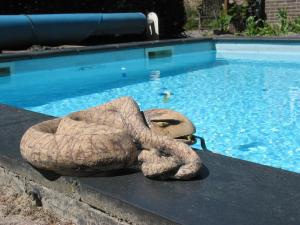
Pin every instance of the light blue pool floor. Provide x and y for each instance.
(244, 109)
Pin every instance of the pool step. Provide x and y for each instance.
(159, 52)
(5, 70)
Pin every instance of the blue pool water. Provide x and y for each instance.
(244, 105)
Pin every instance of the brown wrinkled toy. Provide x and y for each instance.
(111, 137)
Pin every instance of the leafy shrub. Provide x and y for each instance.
(283, 21)
(262, 28)
(251, 27)
(192, 21)
(239, 13)
(295, 25)
(222, 23)
(269, 30)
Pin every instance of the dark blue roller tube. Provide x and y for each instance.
(15, 31)
(64, 28)
(55, 29)
(122, 23)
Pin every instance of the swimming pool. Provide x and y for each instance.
(243, 98)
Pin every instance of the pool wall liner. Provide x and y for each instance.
(18, 31)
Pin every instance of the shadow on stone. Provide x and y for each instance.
(204, 173)
(49, 175)
(52, 176)
(116, 173)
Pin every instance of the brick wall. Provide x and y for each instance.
(271, 6)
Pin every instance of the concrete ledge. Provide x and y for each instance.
(229, 191)
(257, 39)
(98, 48)
(21, 55)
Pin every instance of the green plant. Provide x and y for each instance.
(295, 25)
(269, 30)
(283, 21)
(238, 11)
(222, 23)
(251, 27)
(259, 28)
(192, 21)
(239, 14)
(262, 28)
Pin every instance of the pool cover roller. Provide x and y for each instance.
(57, 29)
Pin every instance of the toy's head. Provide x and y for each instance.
(172, 124)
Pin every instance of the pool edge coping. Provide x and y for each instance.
(6, 57)
(95, 48)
